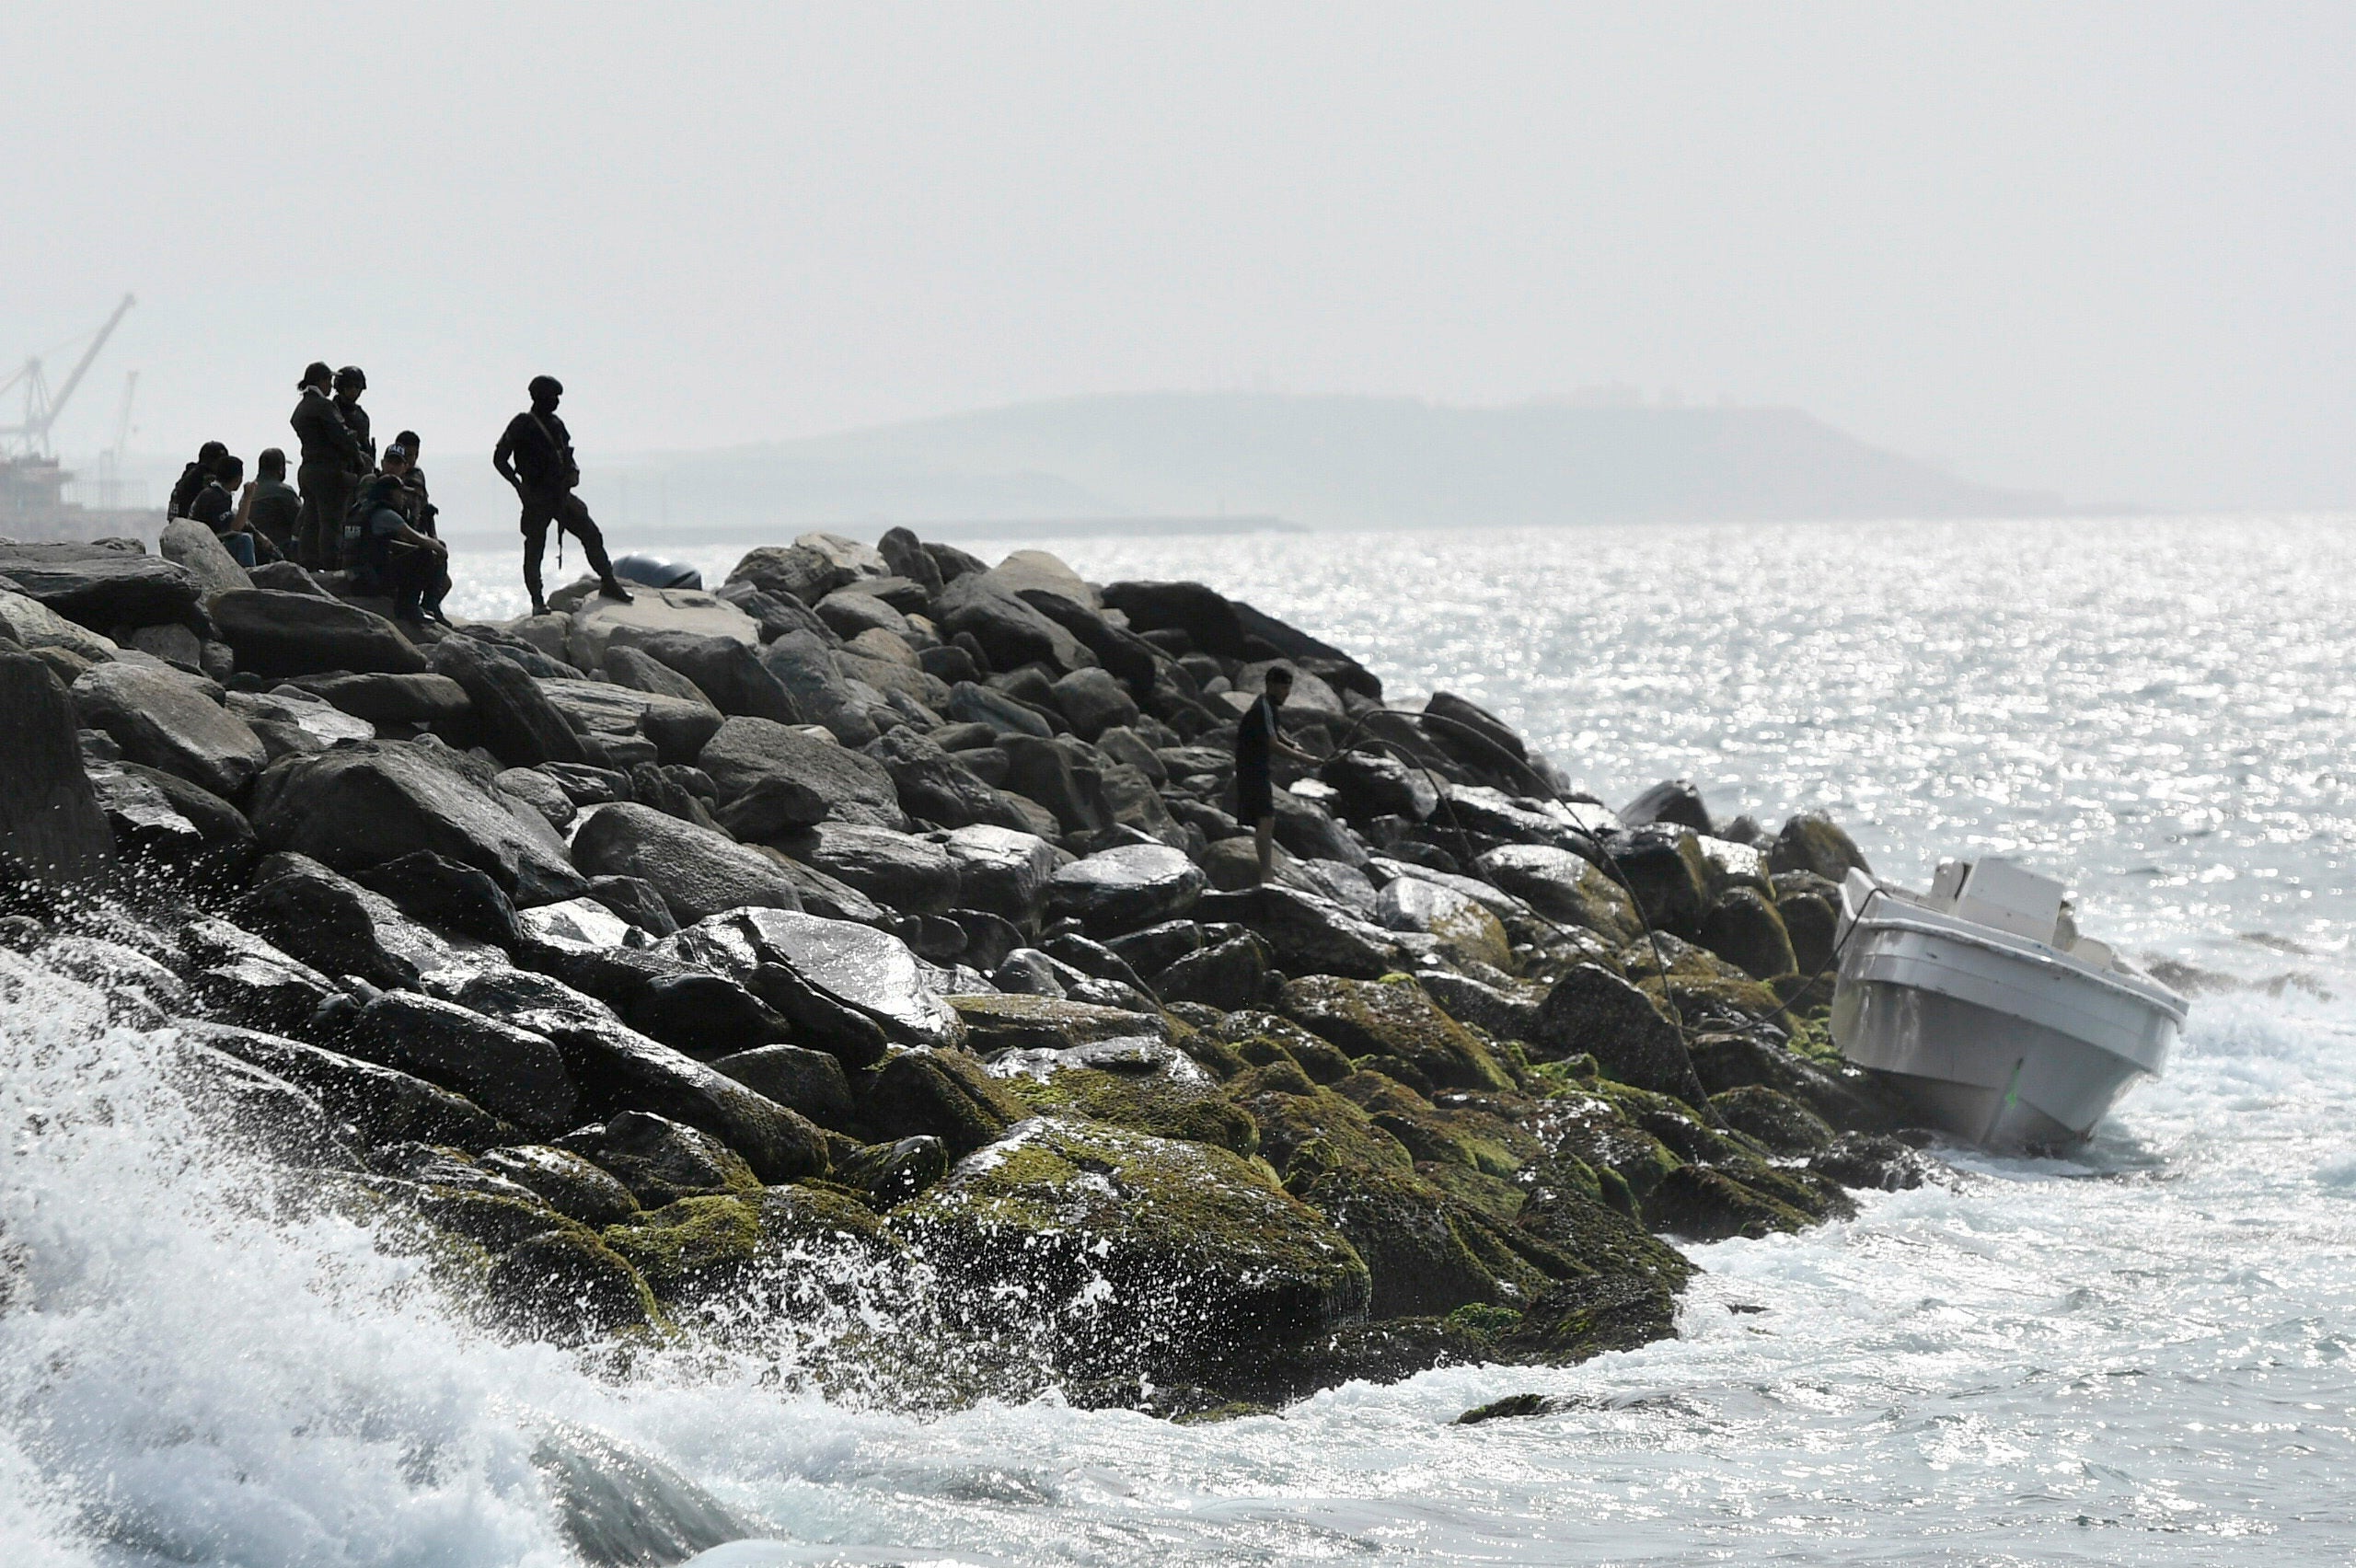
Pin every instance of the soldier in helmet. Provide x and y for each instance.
(330, 464)
(534, 455)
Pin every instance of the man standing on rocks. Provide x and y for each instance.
(1256, 738)
(331, 462)
(536, 457)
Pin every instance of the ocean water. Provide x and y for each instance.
(2140, 1355)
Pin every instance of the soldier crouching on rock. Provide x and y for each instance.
(1256, 738)
(536, 457)
(387, 553)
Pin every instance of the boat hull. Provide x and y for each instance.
(1992, 1039)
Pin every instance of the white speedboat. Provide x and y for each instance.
(1982, 1007)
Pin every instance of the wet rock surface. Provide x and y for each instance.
(889, 905)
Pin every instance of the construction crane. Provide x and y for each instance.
(41, 406)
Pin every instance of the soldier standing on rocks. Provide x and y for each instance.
(331, 463)
(536, 457)
(1256, 738)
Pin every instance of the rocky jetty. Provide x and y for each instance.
(879, 923)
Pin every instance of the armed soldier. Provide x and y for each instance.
(331, 462)
(536, 457)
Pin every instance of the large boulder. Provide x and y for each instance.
(198, 551)
(606, 711)
(1307, 934)
(744, 751)
(32, 624)
(168, 722)
(1002, 870)
(98, 586)
(699, 872)
(811, 1082)
(1127, 888)
(806, 665)
(1746, 930)
(1045, 772)
(275, 633)
(1143, 1254)
(1369, 784)
(619, 1069)
(640, 671)
(1206, 617)
(1593, 1011)
(512, 1072)
(1663, 867)
(1813, 842)
(1563, 887)
(725, 669)
(660, 1161)
(518, 722)
(938, 1094)
(161, 819)
(387, 1104)
(381, 698)
(51, 824)
(1393, 1027)
(1010, 632)
(1095, 702)
(935, 785)
(1465, 931)
(335, 924)
(809, 568)
(590, 633)
(870, 971)
(291, 720)
(1674, 801)
(913, 875)
(362, 804)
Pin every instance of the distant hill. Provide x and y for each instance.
(1328, 462)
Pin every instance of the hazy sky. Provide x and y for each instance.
(2104, 249)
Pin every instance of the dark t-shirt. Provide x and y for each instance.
(214, 506)
(1253, 738)
(277, 508)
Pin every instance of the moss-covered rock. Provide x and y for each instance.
(1304, 1122)
(1461, 1136)
(1591, 1128)
(1006, 1022)
(1166, 1095)
(1695, 983)
(1392, 1025)
(942, 1094)
(692, 1250)
(1427, 1253)
(1591, 1314)
(1775, 1120)
(1744, 928)
(491, 1222)
(565, 1182)
(1262, 1038)
(1141, 1253)
(1813, 842)
(1705, 1205)
(661, 1160)
(570, 1287)
(1581, 1226)
(888, 1174)
(1594, 1012)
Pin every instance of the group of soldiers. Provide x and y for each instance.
(371, 517)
